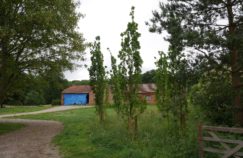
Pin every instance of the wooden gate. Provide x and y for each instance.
(228, 147)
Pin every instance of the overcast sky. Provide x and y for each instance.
(108, 18)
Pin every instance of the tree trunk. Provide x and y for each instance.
(235, 71)
(101, 113)
(3, 93)
(236, 84)
(132, 126)
(1, 105)
(3, 72)
(102, 116)
(183, 108)
(2, 99)
(6, 83)
(136, 125)
(182, 120)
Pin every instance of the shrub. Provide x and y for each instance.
(157, 138)
(214, 97)
(34, 98)
(56, 102)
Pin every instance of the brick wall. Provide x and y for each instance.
(91, 98)
(149, 98)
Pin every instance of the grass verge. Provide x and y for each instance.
(84, 137)
(20, 109)
(9, 127)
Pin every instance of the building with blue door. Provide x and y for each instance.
(83, 95)
(78, 95)
(76, 99)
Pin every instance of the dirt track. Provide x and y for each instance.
(32, 141)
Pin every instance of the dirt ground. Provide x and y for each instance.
(32, 141)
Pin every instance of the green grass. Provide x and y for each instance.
(74, 140)
(19, 109)
(9, 127)
(84, 137)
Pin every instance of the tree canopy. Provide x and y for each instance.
(148, 76)
(34, 35)
(211, 30)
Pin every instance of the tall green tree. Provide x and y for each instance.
(116, 85)
(97, 75)
(35, 35)
(171, 80)
(173, 71)
(130, 75)
(178, 80)
(212, 29)
(162, 83)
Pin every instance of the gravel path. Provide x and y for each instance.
(32, 141)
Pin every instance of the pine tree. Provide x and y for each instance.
(212, 29)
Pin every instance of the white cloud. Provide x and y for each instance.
(108, 18)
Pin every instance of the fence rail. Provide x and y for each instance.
(231, 148)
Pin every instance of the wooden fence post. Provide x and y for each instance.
(200, 141)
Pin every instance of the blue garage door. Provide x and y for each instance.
(75, 99)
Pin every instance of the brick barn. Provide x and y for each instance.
(78, 95)
(147, 92)
(83, 95)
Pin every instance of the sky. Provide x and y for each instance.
(107, 19)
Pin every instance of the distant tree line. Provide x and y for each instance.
(79, 82)
(41, 89)
(46, 88)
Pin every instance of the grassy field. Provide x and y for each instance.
(19, 109)
(9, 127)
(84, 137)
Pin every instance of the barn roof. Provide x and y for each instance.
(147, 88)
(143, 88)
(78, 89)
